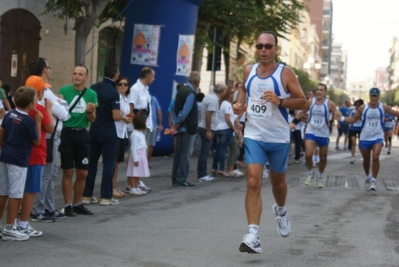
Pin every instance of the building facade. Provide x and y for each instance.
(27, 33)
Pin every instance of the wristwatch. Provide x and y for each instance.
(281, 101)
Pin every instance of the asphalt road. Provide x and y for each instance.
(339, 225)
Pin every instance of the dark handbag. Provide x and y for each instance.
(50, 143)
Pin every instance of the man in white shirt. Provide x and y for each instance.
(44, 209)
(140, 98)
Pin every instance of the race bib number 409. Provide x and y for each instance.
(259, 108)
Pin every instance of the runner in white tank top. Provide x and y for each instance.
(317, 131)
(270, 89)
(372, 134)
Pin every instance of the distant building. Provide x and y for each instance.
(393, 68)
(26, 33)
(338, 66)
(321, 15)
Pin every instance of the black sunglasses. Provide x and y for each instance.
(267, 46)
(122, 84)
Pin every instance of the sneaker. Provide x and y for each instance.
(41, 218)
(127, 189)
(55, 214)
(389, 152)
(373, 186)
(108, 202)
(352, 161)
(80, 209)
(136, 192)
(309, 179)
(89, 200)
(265, 174)
(345, 148)
(13, 235)
(238, 173)
(29, 231)
(211, 179)
(143, 187)
(232, 174)
(204, 179)
(68, 211)
(283, 225)
(297, 161)
(337, 148)
(320, 182)
(367, 183)
(250, 244)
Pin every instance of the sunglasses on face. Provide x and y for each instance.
(267, 46)
(122, 84)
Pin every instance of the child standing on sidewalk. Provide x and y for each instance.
(137, 164)
(18, 134)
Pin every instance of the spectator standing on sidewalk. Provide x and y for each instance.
(18, 134)
(207, 128)
(44, 209)
(103, 138)
(37, 158)
(74, 147)
(123, 88)
(185, 125)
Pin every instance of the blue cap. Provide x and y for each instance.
(374, 91)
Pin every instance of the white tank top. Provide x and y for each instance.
(372, 127)
(318, 119)
(266, 122)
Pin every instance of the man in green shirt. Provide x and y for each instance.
(74, 147)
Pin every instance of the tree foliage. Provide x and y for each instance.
(85, 13)
(242, 20)
(304, 80)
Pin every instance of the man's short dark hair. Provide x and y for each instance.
(145, 72)
(24, 96)
(272, 33)
(83, 66)
(37, 65)
(110, 70)
(322, 84)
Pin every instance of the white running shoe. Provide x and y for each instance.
(265, 173)
(143, 187)
(205, 179)
(352, 161)
(367, 183)
(250, 244)
(283, 225)
(238, 173)
(373, 186)
(29, 231)
(309, 179)
(89, 200)
(13, 235)
(136, 192)
(320, 182)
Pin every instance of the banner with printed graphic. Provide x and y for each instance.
(145, 44)
(184, 54)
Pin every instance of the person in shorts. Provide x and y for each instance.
(18, 134)
(269, 90)
(37, 159)
(74, 147)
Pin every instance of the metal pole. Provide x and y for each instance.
(213, 72)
